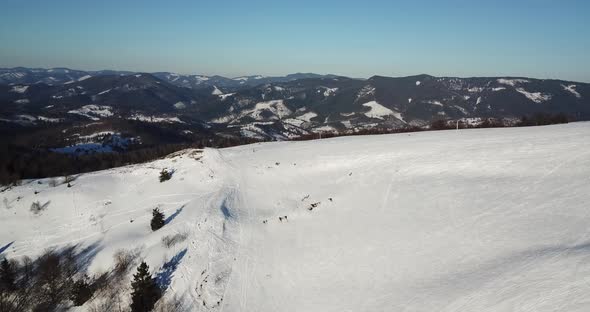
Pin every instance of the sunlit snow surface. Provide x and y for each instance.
(379, 111)
(468, 220)
(571, 89)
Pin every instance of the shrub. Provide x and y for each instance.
(171, 240)
(165, 175)
(53, 275)
(123, 260)
(173, 304)
(439, 124)
(157, 220)
(68, 179)
(51, 280)
(81, 291)
(36, 207)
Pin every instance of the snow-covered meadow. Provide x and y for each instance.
(468, 220)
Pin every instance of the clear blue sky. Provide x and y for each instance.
(538, 38)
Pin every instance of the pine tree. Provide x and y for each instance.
(157, 220)
(145, 290)
(7, 275)
(81, 291)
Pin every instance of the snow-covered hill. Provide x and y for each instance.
(469, 220)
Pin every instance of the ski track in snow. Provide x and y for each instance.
(469, 220)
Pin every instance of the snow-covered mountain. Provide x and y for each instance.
(296, 105)
(148, 111)
(469, 220)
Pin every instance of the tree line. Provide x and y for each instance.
(17, 162)
(538, 119)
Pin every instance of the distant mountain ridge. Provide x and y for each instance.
(276, 108)
(62, 75)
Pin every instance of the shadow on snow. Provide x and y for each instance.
(164, 276)
(2, 249)
(174, 215)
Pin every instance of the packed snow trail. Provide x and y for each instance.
(469, 220)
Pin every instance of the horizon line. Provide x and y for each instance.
(285, 75)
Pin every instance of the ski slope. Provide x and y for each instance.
(468, 220)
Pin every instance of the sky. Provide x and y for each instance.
(532, 38)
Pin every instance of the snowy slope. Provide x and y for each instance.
(471, 220)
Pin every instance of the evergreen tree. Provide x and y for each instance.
(145, 292)
(81, 291)
(7, 275)
(157, 219)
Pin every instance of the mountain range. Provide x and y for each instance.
(81, 103)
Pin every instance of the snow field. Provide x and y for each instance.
(468, 220)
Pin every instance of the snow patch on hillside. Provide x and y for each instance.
(93, 112)
(270, 110)
(49, 120)
(95, 135)
(294, 122)
(179, 105)
(105, 142)
(223, 119)
(329, 91)
(155, 119)
(104, 92)
(571, 89)
(536, 97)
(366, 91)
(461, 109)
(19, 89)
(379, 111)
(262, 111)
(512, 82)
(200, 79)
(325, 128)
(224, 97)
(216, 91)
(301, 119)
(307, 116)
(434, 102)
(253, 131)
